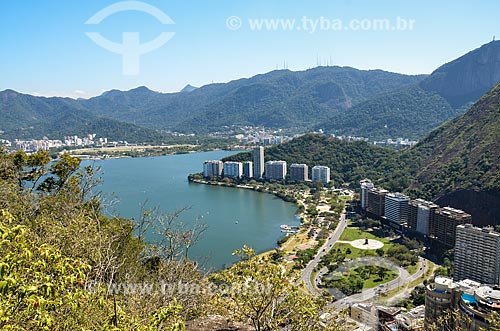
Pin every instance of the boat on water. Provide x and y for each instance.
(285, 227)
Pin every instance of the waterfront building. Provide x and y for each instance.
(477, 255)
(321, 174)
(366, 185)
(299, 172)
(212, 168)
(419, 215)
(258, 162)
(444, 223)
(396, 209)
(275, 170)
(233, 169)
(248, 169)
(376, 202)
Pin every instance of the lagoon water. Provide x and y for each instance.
(234, 216)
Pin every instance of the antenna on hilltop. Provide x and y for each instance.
(493, 38)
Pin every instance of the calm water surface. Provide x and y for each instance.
(234, 216)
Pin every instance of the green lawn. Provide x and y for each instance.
(372, 281)
(351, 234)
(375, 281)
(413, 268)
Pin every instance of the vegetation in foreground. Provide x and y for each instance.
(63, 265)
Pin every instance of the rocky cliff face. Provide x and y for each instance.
(483, 206)
(468, 77)
(460, 161)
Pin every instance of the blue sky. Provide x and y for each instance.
(45, 49)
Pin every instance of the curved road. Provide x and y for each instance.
(403, 279)
(308, 270)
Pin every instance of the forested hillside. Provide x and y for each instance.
(457, 164)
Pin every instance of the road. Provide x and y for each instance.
(403, 279)
(308, 270)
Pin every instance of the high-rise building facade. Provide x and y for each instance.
(233, 169)
(396, 209)
(477, 255)
(366, 185)
(275, 170)
(212, 168)
(467, 297)
(419, 215)
(376, 202)
(299, 172)
(444, 223)
(248, 169)
(321, 174)
(258, 162)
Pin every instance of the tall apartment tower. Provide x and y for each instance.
(477, 255)
(248, 169)
(321, 174)
(258, 162)
(444, 224)
(376, 202)
(366, 185)
(299, 172)
(396, 209)
(419, 215)
(233, 169)
(276, 170)
(212, 168)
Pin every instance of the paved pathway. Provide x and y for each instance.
(403, 279)
(308, 270)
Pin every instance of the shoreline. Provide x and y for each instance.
(302, 217)
(105, 153)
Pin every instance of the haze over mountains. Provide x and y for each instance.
(340, 100)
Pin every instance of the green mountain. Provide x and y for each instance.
(340, 100)
(280, 98)
(414, 111)
(29, 117)
(457, 164)
(349, 162)
(411, 112)
(467, 78)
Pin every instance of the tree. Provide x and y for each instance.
(262, 292)
(451, 320)
(381, 272)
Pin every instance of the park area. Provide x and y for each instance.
(346, 261)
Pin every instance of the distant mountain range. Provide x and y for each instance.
(27, 116)
(457, 164)
(413, 111)
(277, 99)
(340, 100)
